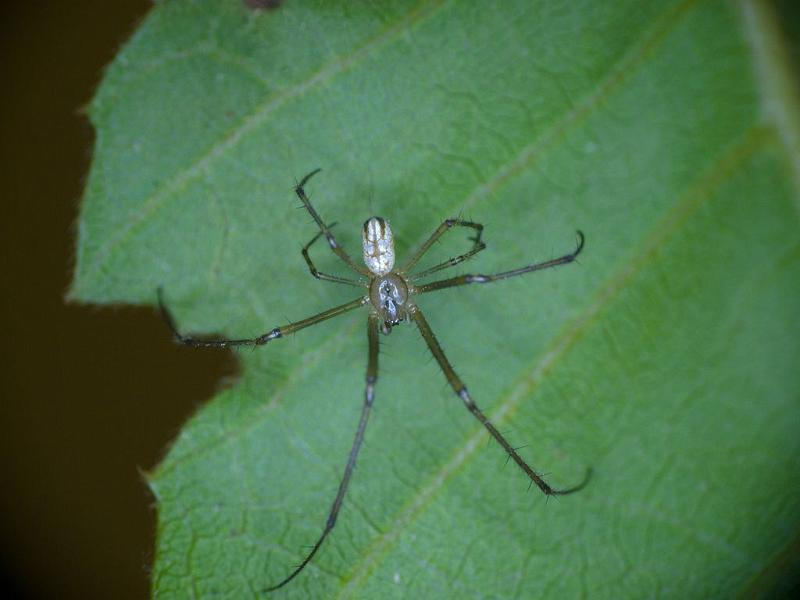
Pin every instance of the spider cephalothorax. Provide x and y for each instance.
(389, 297)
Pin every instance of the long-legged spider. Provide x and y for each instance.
(390, 301)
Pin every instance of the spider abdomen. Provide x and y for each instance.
(378, 243)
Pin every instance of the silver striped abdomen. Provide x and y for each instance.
(378, 243)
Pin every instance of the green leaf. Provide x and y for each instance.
(666, 360)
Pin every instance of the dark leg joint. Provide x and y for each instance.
(182, 339)
(272, 335)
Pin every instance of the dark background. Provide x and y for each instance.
(89, 395)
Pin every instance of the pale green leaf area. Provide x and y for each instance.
(666, 360)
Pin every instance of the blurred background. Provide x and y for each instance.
(84, 389)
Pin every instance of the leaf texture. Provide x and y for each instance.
(666, 360)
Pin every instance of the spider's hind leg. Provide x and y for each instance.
(461, 391)
(373, 325)
(273, 334)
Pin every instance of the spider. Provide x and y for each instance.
(390, 300)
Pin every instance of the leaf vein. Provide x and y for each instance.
(260, 115)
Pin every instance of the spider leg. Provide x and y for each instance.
(369, 396)
(273, 334)
(324, 229)
(461, 391)
(465, 279)
(448, 224)
(320, 274)
(450, 262)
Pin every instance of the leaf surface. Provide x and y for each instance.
(666, 360)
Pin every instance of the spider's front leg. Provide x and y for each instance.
(324, 229)
(319, 274)
(466, 279)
